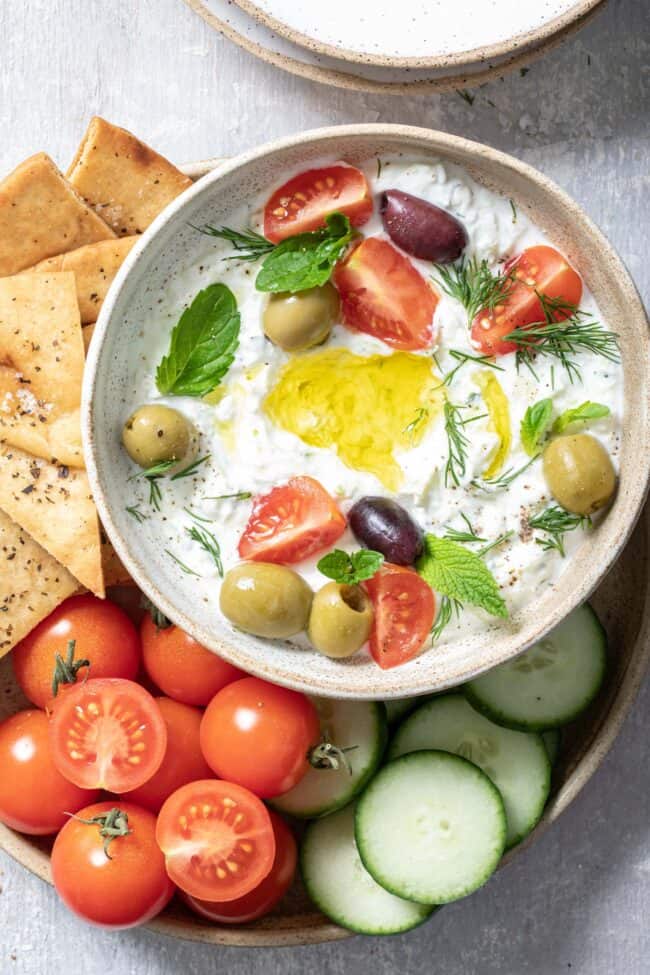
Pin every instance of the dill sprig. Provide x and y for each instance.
(462, 358)
(237, 496)
(504, 480)
(458, 535)
(474, 285)
(248, 245)
(421, 415)
(555, 522)
(135, 513)
(448, 606)
(457, 444)
(208, 543)
(152, 475)
(185, 568)
(497, 541)
(190, 469)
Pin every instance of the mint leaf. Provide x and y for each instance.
(534, 426)
(202, 345)
(306, 260)
(586, 411)
(460, 574)
(350, 569)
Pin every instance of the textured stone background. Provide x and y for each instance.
(579, 900)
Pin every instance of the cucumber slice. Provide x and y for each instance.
(517, 763)
(399, 707)
(550, 684)
(430, 827)
(342, 888)
(552, 740)
(356, 725)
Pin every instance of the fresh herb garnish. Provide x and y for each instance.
(555, 522)
(202, 346)
(135, 513)
(580, 414)
(457, 444)
(456, 535)
(421, 415)
(379, 167)
(514, 210)
(208, 543)
(465, 95)
(462, 358)
(237, 496)
(348, 569)
(474, 285)
(185, 568)
(306, 260)
(503, 480)
(447, 609)
(456, 572)
(534, 426)
(190, 469)
(193, 515)
(248, 245)
(495, 544)
(152, 475)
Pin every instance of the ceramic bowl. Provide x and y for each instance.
(171, 240)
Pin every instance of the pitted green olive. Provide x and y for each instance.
(300, 321)
(265, 599)
(340, 619)
(580, 473)
(157, 433)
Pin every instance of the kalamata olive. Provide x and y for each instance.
(422, 229)
(340, 619)
(580, 473)
(155, 434)
(301, 321)
(383, 525)
(265, 599)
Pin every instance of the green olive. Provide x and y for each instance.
(265, 599)
(340, 619)
(157, 433)
(580, 473)
(300, 321)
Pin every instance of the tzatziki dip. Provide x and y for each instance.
(379, 412)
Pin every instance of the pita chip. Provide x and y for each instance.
(32, 584)
(94, 267)
(114, 572)
(41, 366)
(54, 504)
(42, 215)
(126, 182)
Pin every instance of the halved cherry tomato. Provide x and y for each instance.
(182, 668)
(263, 898)
(405, 608)
(382, 294)
(34, 797)
(304, 201)
(108, 734)
(259, 734)
(183, 761)
(117, 886)
(102, 632)
(537, 270)
(291, 522)
(217, 839)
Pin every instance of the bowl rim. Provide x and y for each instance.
(425, 139)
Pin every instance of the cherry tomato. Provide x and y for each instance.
(102, 632)
(114, 884)
(383, 295)
(263, 898)
(217, 839)
(291, 522)
(183, 761)
(182, 668)
(303, 202)
(259, 735)
(537, 270)
(405, 608)
(108, 734)
(34, 796)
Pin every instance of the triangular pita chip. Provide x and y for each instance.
(114, 572)
(41, 366)
(32, 584)
(126, 181)
(41, 215)
(54, 504)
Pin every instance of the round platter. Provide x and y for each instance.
(256, 37)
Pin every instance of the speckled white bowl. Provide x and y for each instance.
(142, 278)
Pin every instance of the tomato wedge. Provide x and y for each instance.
(537, 270)
(217, 838)
(382, 294)
(303, 202)
(291, 522)
(108, 734)
(405, 608)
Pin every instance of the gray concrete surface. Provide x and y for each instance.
(579, 901)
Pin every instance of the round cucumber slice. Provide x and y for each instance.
(359, 730)
(517, 763)
(342, 888)
(552, 683)
(399, 707)
(430, 827)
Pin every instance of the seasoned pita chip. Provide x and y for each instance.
(87, 333)
(114, 572)
(41, 366)
(41, 215)
(126, 182)
(32, 584)
(54, 504)
(94, 267)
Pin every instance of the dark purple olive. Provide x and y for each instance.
(382, 525)
(422, 229)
